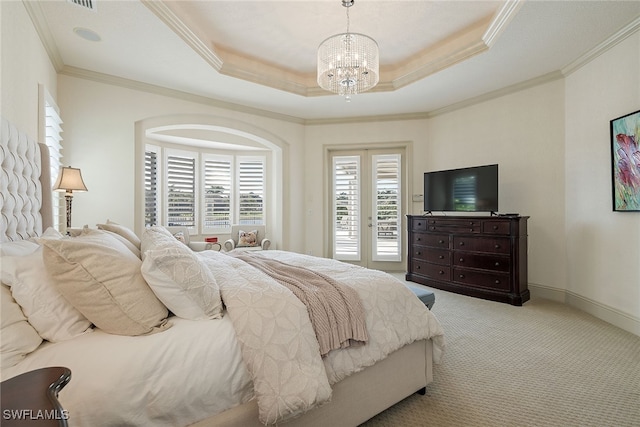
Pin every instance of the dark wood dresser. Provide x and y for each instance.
(483, 257)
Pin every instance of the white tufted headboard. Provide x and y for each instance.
(25, 209)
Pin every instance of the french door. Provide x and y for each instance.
(367, 195)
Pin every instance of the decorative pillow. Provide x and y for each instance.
(180, 237)
(247, 238)
(32, 287)
(123, 231)
(156, 237)
(102, 279)
(133, 248)
(18, 336)
(182, 283)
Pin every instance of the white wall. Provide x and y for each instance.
(25, 64)
(603, 246)
(522, 132)
(100, 139)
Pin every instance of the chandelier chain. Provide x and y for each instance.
(348, 20)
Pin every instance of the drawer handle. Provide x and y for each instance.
(419, 224)
(418, 239)
(497, 282)
(471, 229)
(497, 264)
(420, 253)
(440, 241)
(461, 259)
(495, 227)
(417, 267)
(441, 257)
(462, 276)
(433, 228)
(440, 272)
(461, 243)
(497, 246)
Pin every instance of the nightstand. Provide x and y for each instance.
(31, 399)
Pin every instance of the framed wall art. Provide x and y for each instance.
(625, 157)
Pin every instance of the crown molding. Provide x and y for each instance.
(457, 48)
(36, 14)
(367, 119)
(172, 93)
(536, 81)
(34, 10)
(603, 47)
(166, 15)
(451, 51)
(501, 20)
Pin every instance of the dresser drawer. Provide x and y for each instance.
(484, 262)
(434, 271)
(433, 240)
(496, 227)
(498, 281)
(436, 256)
(454, 225)
(418, 224)
(496, 245)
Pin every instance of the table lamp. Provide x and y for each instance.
(69, 180)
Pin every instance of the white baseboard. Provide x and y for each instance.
(601, 311)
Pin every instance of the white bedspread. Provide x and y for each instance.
(263, 347)
(278, 342)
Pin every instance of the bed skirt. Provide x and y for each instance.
(355, 399)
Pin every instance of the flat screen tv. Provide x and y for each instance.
(473, 189)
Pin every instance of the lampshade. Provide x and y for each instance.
(348, 63)
(69, 180)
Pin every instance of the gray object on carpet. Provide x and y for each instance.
(425, 295)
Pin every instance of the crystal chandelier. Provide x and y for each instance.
(348, 63)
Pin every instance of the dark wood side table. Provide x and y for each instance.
(31, 399)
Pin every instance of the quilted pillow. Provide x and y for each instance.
(18, 336)
(156, 237)
(247, 238)
(102, 279)
(182, 283)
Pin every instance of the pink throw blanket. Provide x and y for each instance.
(335, 310)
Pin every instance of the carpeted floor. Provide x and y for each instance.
(542, 364)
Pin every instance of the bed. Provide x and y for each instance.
(204, 339)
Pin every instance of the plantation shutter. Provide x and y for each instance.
(251, 191)
(151, 196)
(53, 140)
(346, 209)
(181, 190)
(217, 194)
(386, 202)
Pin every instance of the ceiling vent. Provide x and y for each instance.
(87, 4)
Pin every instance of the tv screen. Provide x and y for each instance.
(473, 189)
